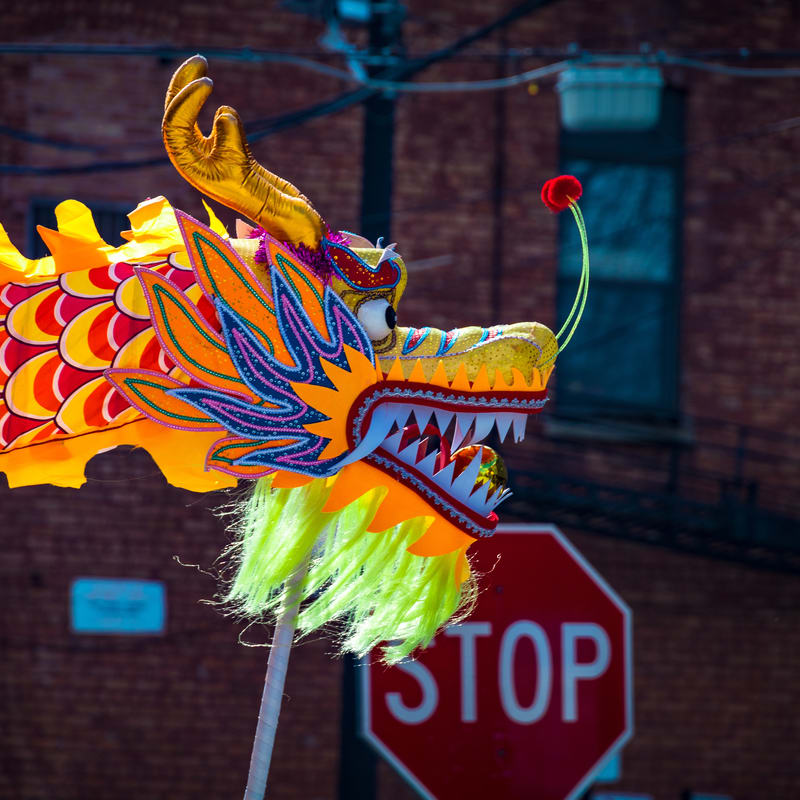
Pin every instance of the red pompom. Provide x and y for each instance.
(558, 193)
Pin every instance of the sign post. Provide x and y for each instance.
(529, 697)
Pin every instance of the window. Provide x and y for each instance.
(623, 359)
(110, 219)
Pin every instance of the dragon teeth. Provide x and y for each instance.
(483, 426)
(422, 415)
(469, 427)
(444, 477)
(494, 495)
(401, 413)
(409, 453)
(519, 427)
(443, 419)
(392, 444)
(480, 498)
(428, 464)
(503, 422)
(464, 484)
(463, 425)
(499, 497)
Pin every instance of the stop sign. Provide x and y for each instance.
(525, 699)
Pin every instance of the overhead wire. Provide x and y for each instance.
(488, 85)
(309, 59)
(83, 169)
(724, 69)
(35, 138)
(244, 54)
(261, 128)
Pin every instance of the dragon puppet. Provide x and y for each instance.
(275, 358)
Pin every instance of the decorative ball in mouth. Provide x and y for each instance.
(492, 470)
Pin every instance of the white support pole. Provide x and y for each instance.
(272, 696)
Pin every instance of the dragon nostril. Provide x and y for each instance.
(391, 317)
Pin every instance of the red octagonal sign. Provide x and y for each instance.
(525, 699)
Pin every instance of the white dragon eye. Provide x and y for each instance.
(378, 318)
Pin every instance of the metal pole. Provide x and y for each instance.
(358, 762)
(272, 696)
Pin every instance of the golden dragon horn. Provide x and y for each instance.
(221, 165)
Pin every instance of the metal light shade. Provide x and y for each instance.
(623, 98)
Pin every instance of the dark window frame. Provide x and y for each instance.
(664, 146)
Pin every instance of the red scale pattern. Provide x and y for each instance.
(111, 330)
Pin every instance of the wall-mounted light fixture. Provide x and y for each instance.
(599, 98)
(358, 11)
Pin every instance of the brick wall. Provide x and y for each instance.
(716, 644)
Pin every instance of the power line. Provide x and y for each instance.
(34, 138)
(310, 58)
(85, 169)
(723, 69)
(240, 54)
(489, 85)
(586, 60)
(402, 86)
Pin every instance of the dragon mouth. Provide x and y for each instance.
(449, 459)
(431, 440)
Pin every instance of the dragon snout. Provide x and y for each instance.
(520, 345)
(529, 343)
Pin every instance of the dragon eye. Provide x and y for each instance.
(378, 318)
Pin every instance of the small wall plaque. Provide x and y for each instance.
(118, 606)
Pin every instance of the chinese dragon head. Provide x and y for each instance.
(273, 357)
